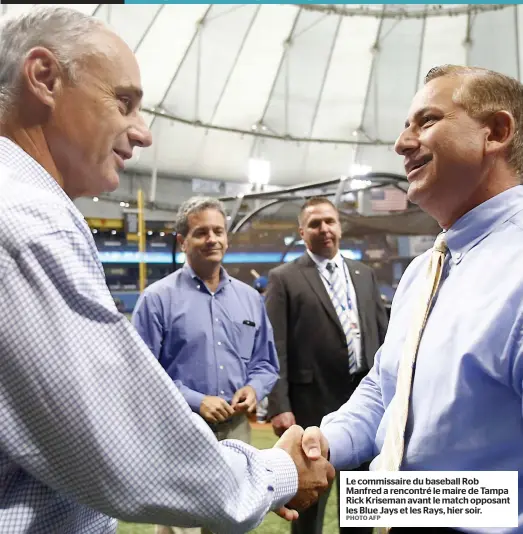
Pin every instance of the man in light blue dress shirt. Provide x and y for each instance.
(209, 331)
(92, 428)
(463, 151)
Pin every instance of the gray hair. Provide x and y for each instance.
(62, 31)
(195, 205)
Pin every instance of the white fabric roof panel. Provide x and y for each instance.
(318, 79)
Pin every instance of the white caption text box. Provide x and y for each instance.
(429, 498)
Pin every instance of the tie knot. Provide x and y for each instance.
(440, 244)
(330, 267)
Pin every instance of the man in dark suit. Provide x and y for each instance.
(329, 321)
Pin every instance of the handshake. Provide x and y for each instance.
(309, 450)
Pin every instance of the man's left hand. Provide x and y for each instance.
(244, 400)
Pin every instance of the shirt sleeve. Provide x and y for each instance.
(87, 410)
(351, 430)
(263, 368)
(148, 319)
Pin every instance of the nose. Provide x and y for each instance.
(406, 142)
(324, 227)
(139, 134)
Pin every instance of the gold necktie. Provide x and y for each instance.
(391, 455)
(393, 446)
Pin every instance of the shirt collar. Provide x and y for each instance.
(30, 171)
(322, 262)
(481, 221)
(224, 275)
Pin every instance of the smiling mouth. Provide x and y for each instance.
(418, 166)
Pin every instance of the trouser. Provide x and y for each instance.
(237, 427)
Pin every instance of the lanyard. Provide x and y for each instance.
(350, 309)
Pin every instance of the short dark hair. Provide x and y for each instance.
(195, 205)
(314, 201)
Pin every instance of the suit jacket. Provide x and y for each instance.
(311, 345)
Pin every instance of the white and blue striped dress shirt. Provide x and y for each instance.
(91, 426)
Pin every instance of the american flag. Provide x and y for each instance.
(388, 199)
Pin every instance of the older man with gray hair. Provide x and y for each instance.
(209, 331)
(92, 428)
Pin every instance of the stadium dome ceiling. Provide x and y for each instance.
(311, 88)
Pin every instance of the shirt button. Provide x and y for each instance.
(221, 367)
(222, 392)
(458, 255)
(197, 287)
(217, 320)
(270, 488)
(219, 342)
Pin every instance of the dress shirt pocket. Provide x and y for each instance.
(243, 339)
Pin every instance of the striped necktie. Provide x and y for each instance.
(391, 455)
(338, 295)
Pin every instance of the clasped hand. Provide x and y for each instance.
(309, 450)
(217, 410)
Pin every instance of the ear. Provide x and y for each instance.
(43, 75)
(501, 127)
(300, 230)
(181, 241)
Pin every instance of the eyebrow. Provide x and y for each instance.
(206, 228)
(320, 219)
(131, 89)
(418, 114)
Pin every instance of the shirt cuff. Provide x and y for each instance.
(194, 399)
(258, 388)
(338, 450)
(284, 480)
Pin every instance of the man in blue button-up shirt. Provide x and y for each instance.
(463, 152)
(209, 331)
